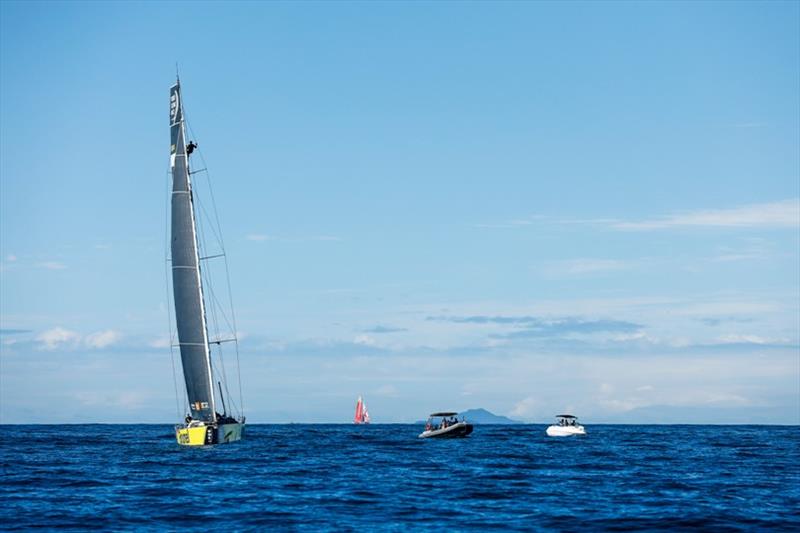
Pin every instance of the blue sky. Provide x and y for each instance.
(527, 207)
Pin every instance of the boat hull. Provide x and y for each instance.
(208, 435)
(565, 431)
(461, 429)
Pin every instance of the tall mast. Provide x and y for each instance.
(187, 285)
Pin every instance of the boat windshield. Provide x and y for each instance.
(442, 421)
(567, 420)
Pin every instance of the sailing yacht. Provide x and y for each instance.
(362, 415)
(208, 420)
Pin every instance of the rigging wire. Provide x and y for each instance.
(213, 301)
(215, 306)
(220, 241)
(210, 311)
(233, 406)
(232, 323)
(211, 226)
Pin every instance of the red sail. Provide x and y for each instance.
(359, 412)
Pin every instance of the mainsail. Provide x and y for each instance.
(361, 416)
(190, 313)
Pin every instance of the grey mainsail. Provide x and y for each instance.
(186, 285)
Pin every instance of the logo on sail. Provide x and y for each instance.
(175, 117)
(174, 106)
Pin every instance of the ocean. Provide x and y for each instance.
(382, 477)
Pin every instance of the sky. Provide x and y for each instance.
(526, 207)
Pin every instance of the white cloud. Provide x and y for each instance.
(364, 340)
(726, 258)
(53, 338)
(726, 399)
(390, 391)
(123, 400)
(636, 336)
(51, 265)
(59, 337)
(525, 407)
(730, 306)
(782, 214)
(752, 249)
(621, 405)
(736, 338)
(606, 388)
(161, 342)
(11, 258)
(101, 339)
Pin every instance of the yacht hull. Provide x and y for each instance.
(461, 429)
(207, 435)
(565, 431)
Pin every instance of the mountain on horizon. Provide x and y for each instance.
(482, 416)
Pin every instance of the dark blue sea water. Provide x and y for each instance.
(344, 477)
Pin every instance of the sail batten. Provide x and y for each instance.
(186, 279)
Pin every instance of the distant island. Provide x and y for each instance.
(482, 416)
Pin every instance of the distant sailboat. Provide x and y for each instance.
(362, 415)
(204, 424)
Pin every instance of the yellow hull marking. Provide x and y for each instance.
(191, 436)
(196, 436)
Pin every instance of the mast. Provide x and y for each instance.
(187, 286)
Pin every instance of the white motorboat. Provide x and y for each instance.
(445, 425)
(566, 426)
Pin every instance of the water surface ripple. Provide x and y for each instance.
(334, 477)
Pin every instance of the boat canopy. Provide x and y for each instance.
(444, 414)
(567, 416)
